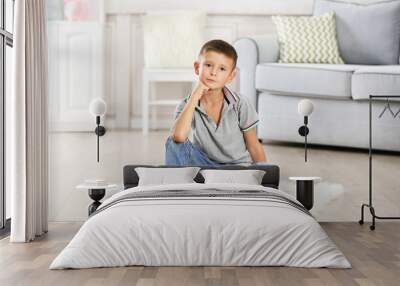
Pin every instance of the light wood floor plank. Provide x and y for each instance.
(375, 257)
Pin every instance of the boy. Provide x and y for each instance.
(222, 121)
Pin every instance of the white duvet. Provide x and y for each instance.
(200, 231)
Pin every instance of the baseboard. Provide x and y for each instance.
(135, 123)
(5, 231)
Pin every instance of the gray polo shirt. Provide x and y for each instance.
(224, 143)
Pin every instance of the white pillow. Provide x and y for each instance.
(308, 39)
(163, 176)
(249, 177)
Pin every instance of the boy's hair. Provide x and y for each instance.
(222, 47)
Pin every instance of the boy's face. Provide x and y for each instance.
(214, 69)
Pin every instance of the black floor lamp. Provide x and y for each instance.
(98, 108)
(305, 108)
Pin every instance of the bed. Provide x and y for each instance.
(201, 224)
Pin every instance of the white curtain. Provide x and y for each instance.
(27, 120)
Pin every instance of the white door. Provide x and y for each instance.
(76, 73)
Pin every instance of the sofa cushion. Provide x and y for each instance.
(367, 33)
(318, 80)
(375, 80)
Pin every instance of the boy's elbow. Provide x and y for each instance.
(178, 138)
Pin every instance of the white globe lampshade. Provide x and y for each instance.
(305, 107)
(97, 107)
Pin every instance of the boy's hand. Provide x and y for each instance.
(199, 90)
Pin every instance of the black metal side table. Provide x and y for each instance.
(305, 190)
(96, 193)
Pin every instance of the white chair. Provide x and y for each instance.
(151, 75)
(171, 43)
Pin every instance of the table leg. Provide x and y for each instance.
(153, 108)
(145, 105)
(96, 195)
(305, 193)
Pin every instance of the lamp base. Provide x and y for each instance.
(303, 130)
(100, 130)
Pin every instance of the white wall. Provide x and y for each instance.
(226, 7)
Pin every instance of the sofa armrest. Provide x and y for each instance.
(268, 48)
(252, 51)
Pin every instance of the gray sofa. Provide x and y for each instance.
(339, 92)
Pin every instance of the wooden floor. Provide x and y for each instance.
(375, 257)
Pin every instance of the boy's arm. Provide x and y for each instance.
(183, 123)
(254, 147)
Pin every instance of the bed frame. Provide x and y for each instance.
(270, 179)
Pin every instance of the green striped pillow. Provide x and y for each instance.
(308, 39)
